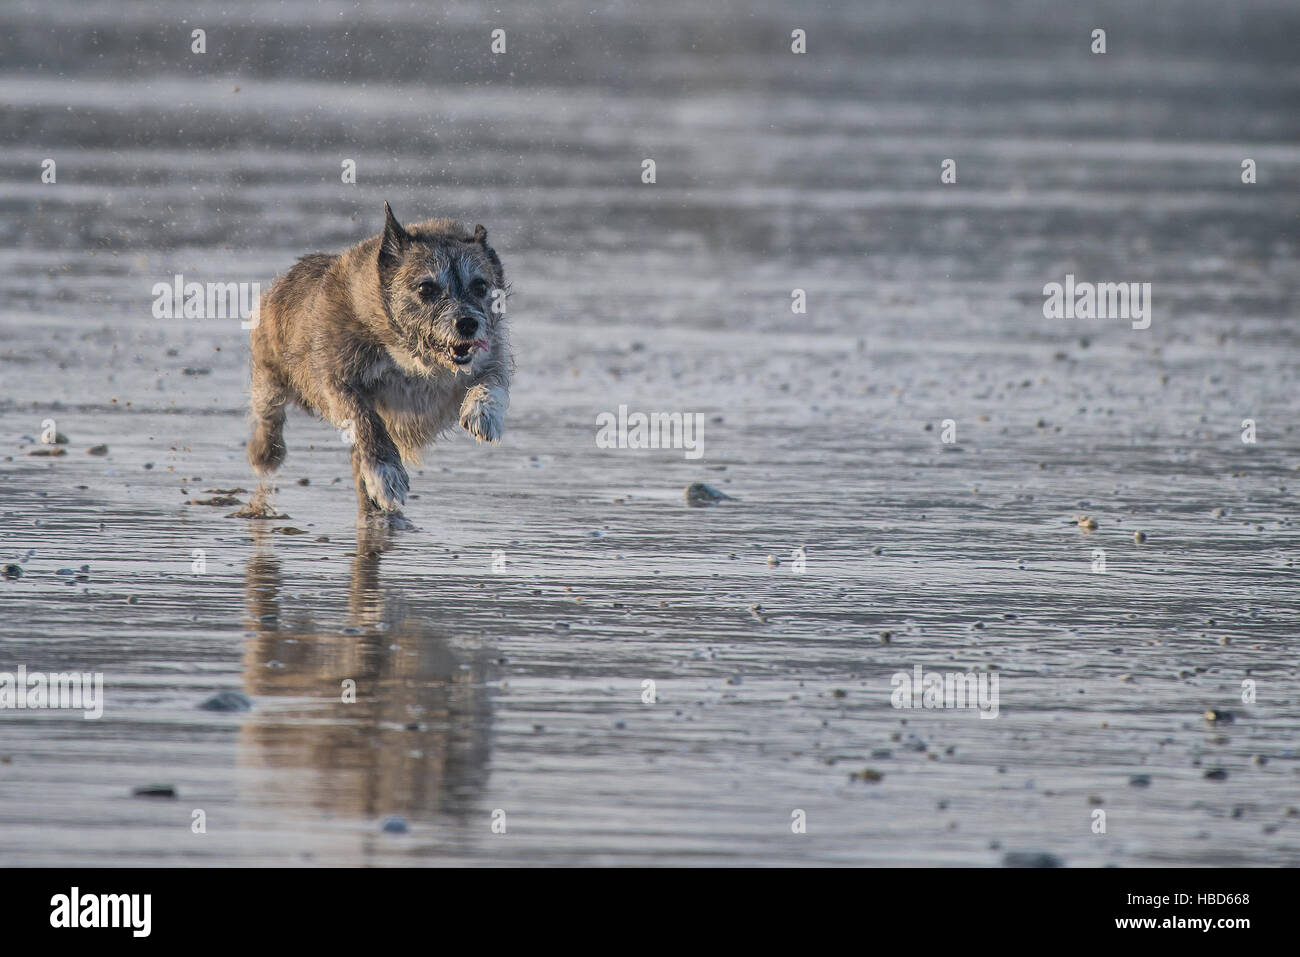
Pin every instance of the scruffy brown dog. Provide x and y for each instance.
(393, 341)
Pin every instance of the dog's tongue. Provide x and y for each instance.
(481, 344)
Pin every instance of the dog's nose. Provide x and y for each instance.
(466, 326)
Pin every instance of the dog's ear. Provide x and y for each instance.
(480, 237)
(392, 247)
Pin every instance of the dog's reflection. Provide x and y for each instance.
(379, 713)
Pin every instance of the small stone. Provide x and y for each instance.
(1216, 774)
(1031, 859)
(699, 495)
(227, 701)
(1139, 537)
(154, 791)
(394, 825)
(13, 572)
(1140, 781)
(97, 450)
(867, 776)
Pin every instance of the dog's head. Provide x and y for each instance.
(439, 281)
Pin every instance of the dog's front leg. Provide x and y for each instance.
(376, 463)
(483, 412)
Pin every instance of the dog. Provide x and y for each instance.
(394, 342)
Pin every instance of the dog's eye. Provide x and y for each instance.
(479, 287)
(429, 289)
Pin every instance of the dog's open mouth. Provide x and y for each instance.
(462, 353)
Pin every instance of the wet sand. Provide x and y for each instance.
(519, 689)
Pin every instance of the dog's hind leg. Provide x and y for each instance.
(266, 446)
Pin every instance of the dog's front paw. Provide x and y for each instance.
(386, 483)
(483, 414)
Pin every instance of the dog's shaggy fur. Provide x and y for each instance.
(393, 341)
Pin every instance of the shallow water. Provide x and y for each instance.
(520, 689)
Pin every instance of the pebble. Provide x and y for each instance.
(1031, 859)
(228, 701)
(699, 495)
(97, 450)
(394, 825)
(154, 791)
